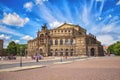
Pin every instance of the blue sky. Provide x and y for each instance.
(21, 19)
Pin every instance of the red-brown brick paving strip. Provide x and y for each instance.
(107, 68)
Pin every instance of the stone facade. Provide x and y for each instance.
(1, 47)
(65, 40)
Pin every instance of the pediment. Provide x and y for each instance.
(63, 26)
(66, 26)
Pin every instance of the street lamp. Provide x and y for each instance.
(20, 56)
(72, 49)
(61, 54)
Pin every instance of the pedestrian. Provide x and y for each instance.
(37, 58)
(0, 58)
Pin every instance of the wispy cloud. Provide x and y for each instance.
(40, 1)
(45, 13)
(92, 15)
(28, 6)
(7, 30)
(14, 19)
(55, 24)
(106, 39)
(107, 28)
(118, 3)
(4, 8)
(53, 14)
(67, 11)
(16, 41)
(27, 37)
(85, 15)
(4, 37)
(101, 7)
(99, 0)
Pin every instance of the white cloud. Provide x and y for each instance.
(6, 42)
(55, 24)
(28, 6)
(85, 16)
(27, 37)
(99, 0)
(110, 16)
(16, 41)
(14, 19)
(106, 39)
(107, 28)
(40, 1)
(99, 18)
(3, 36)
(45, 13)
(118, 3)
(4, 29)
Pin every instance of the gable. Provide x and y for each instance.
(65, 26)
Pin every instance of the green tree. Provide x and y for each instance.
(12, 49)
(117, 48)
(23, 46)
(114, 48)
(18, 49)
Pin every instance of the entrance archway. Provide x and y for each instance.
(56, 52)
(41, 52)
(66, 52)
(50, 53)
(71, 53)
(92, 51)
(61, 52)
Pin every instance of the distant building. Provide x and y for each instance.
(1, 47)
(105, 50)
(65, 40)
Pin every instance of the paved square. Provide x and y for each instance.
(102, 68)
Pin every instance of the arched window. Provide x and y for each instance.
(61, 52)
(56, 42)
(66, 52)
(41, 38)
(87, 41)
(51, 42)
(41, 51)
(71, 42)
(92, 51)
(66, 41)
(51, 52)
(71, 52)
(56, 52)
(61, 42)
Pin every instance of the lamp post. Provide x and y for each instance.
(61, 54)
(21, 56)
(72, 44)
(37, 57)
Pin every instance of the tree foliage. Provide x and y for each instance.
(14, 48)
(23, 47)
(114, 48)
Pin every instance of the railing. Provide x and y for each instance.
(41, 62)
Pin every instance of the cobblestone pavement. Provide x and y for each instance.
(24, 59)
(103, 68)
(28, 62)
(28, 59)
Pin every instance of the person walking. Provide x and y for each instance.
(37, 57)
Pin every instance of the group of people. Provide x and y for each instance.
(10, 57)
(37, 57)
